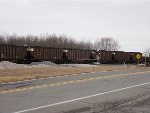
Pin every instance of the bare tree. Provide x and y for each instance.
(2, 41)
(147, 50)
(108, 44)
(3, 38)
(56, 41)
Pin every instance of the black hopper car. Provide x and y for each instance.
(25, 55)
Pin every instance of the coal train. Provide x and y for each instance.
(26, 55)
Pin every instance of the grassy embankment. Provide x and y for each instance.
(13, 75)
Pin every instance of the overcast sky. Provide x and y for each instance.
(128, 21)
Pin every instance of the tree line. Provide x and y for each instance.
(59, 41)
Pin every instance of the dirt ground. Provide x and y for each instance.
(13, 75)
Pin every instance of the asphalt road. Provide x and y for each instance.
(125, 91)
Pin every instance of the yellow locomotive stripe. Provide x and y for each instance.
(68, 82)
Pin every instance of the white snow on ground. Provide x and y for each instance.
(78, 65)
(11, 65)
(45, 64)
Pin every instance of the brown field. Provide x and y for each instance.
(13, 75)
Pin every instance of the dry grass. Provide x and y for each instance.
(13, 75)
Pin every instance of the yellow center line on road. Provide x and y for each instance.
(68, 82)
